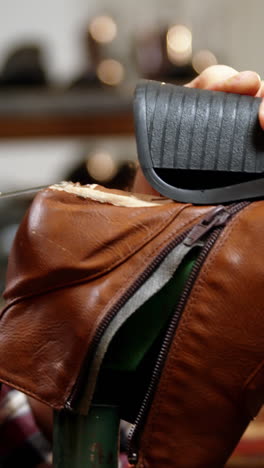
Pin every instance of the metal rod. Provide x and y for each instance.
(86, 441)
(21, 193)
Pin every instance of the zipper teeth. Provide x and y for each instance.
(112, 313)
(135, 430)
(132, 435)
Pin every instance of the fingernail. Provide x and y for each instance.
(237, 78)
(248, 74)
(226, 81)
(242, 76)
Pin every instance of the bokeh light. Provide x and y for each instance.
(103, 29)
(101, 166)
(110, 72)
(203, 59)
(179, 44)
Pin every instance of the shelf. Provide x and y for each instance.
(58, 113)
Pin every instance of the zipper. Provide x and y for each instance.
(215, 220)
(115, 309)
(214, 217)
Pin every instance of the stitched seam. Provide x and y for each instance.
(199, 286)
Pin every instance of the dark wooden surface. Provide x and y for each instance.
(59, 113)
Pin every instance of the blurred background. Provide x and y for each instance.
(68, 69)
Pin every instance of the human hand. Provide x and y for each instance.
(217, 78)
(223, 78)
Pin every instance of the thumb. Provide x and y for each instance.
(211, 76)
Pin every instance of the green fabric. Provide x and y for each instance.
(139, 332)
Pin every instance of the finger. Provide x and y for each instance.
(246, 82)
(211, 76)
(223, 78)
(260, 92)
(261, 114)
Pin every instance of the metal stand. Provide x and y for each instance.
(87, 441)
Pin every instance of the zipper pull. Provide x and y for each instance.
(133, 458)
(218, 216)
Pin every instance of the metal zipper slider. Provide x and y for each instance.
(218, 216)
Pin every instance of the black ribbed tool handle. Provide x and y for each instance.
(199, 146)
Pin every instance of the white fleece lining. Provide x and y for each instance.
(128, 200)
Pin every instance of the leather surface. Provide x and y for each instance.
(212, 384)
(71, 261)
